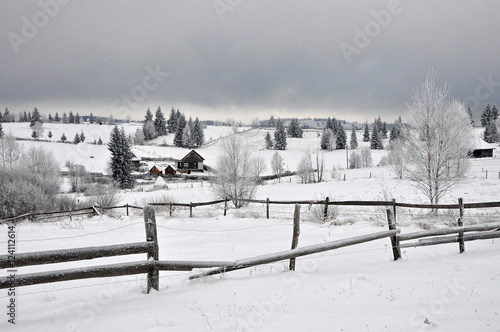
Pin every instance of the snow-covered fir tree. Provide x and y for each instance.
(327, 139)
(181, 123)
(489, 113)
(471, 117)
(148, 116)
(279, 136)
(63, 138)
(71, 117)
(490, 134)
(99, 141)
(82, 137)
(36, 117)
(1, 117)
(77, 118)
(121, 157)
(91, 118)
(56, 117)
(354, 138)
(294, 129)
(272, 122)
(269, 141)
(160, 123)
(1, 130)
(366, 133)
(148, 128)
(76, 140)
(187, 135)
(396, 131)
(50, 135)
(198, 135)
(341, 141)
(376, 138)
(172, 121)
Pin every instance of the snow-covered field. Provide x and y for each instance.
(357, 288)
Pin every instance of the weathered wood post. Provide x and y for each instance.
(486, 173)
(394, 211)
(267, 208)
(170, 204)
(70, 216)
(225, 206)
(151, 236)
(127, 209)
(461, 244)
(396, 251)
(296, 233)
(325, 210)
(190, 209)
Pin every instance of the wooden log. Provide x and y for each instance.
(103, 271)
(429, 206)
(449, 230)
(295, 235)
(151, 236)
(396, 251)
(461, 244)
(481, 205)
(207, 203)
(284, 255)
(188, 265)
(452, 239)
(75, 254)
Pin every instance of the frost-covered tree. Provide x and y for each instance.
(77, 118)
(7, 116)
(294, 129)
(181, 123)
(471, 117)
(366, 133)
(82, 137)
(1, 130)
(76, 140)
(354, 138)
(63, 138)
(148, 130)
(328, 139)
(396, 131)
(148, 116)
(272, 122)
(279, 136)
(235, 171)
(139, 137)
(121, 157)
(376, 138)
(489, 114)
(277, 165)
(437, 140)
(490, 134)
(187, 135)
(160, 123)
(65, 118)
(1, 117)
(269, 141)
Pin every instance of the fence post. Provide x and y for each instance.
(394, 211)
(225, 206)
(325, 211)
(151, 236)
(461, 244)
(267, 207)
(170, 203)
(70, 216)
(190, 209)
(127, 209)
(396, 251)
(296, 233)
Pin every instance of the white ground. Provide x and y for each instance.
(358, 288)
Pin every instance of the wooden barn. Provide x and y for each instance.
(169, 171)
(482, 149)
(192, 162)
(154, 171)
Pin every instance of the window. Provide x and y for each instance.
(186, 165)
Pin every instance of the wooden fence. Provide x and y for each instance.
(152, 265)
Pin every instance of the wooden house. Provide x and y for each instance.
(192, 162)
(169, 171)
(154, 171)
(482, 149)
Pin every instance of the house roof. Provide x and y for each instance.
(190, 152)
(480, 144)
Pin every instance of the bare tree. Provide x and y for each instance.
(305, 169)
(235, 173)
(320, 166)
(259, 167)
(437, 140)
(366, 158)
(10, 152)
(277, 165)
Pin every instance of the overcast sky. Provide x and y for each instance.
(245, 59)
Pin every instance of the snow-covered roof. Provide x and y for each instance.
(480, 144)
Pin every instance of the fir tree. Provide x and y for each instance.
(148, 116)
(65, 118)
(329, 124)
(376, 139)
(325, 138)
(354, 138)
(172, 121)
(396, 131)
(469, 113)
(77, 118)
(99, 142)
(50, 135)
(7, 117)
(76, 140)
(181, 123)
(1, 129)
(71, 118)
(1, 117)
(488, 115)
(279, 136)
(160, 124)
(56, 117)
(91, 118)
(63, 138)
(199, 137)
(187, 137)
(366, 133)
(24, 118)
(384, 130)
(36, 117)
(272, 122)
(28, 118)
(82, 137)
(121, 157)
(341, 141)
(50, 118)
(490, 132)
(294, 129)
(34, 134)
(269, 141)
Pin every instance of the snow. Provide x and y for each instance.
(358, 288)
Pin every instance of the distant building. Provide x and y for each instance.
(192, 162)
(169, 171)
(154, 171)
(482, 149)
